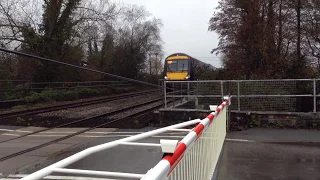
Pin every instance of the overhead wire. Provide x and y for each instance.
(75, 66)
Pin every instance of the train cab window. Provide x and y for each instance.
(177, 66)
(172, 66)
(183, 65)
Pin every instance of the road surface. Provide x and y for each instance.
(259, 154)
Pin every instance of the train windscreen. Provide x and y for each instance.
(177, 66)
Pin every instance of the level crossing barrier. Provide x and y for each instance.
(193, 157)
(197, 154)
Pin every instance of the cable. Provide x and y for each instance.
(209, 57)
(75, 66)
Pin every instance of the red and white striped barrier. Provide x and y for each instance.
(210, 133)
(194, 157)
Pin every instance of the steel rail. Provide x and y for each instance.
(69, 105)
(76, 157)
(85, 130)
(65, 124)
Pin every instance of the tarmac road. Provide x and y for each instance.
(276, 154)
(257, 154)
(254, 154)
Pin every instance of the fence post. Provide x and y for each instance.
(188, 88)
(238, 95)
(222, 94)
(30, 87)
(314, 96)
(228, 113)
(159, 84)
(181, 84)
(165, 93)
(174, 100)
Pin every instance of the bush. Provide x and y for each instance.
(34, 97)
(12, 92)
(84, 93)
(60, 95)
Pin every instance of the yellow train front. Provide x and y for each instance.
(180, 67)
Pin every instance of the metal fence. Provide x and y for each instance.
(15, 89)
(7, 85)
(283, 95)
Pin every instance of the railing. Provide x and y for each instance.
(199, 151)
(11, 90)
(59, 85)
(282, 95)
(197, 154)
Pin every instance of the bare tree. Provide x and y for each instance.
(265, 37)
(55, 29)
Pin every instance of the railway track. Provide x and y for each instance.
(71, 105)
(151, 105)
(82, 120)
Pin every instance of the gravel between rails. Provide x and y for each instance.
(145, 117)
(97, 109)
(47, 104)
(134, 111)
(57, 103)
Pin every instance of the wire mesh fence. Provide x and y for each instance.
(288, 95)
(14, 89)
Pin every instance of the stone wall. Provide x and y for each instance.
(244, 120)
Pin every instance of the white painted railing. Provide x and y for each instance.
(194, 157)
(197, 154)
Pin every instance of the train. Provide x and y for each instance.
(182, 67)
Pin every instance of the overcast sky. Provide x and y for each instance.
(185, 26)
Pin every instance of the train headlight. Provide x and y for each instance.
(166, 77)
(188, 77)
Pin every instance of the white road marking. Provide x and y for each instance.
(16, 176)
(239, 140)
(8, 134)
(88, 136)
(103, 134)
(113, 136)
(178, 131)
(45, 135)
(52, 132)
(24, 131)
(10, 130)
(145, 132)
(181, 130)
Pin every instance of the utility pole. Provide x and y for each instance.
(150, 64)
(156, 65)
(299, 64)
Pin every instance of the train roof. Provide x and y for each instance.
(199, 62)
(179, 54)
